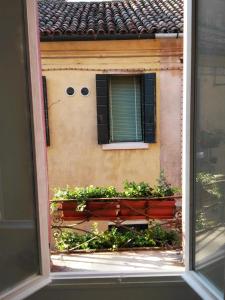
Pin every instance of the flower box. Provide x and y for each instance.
(132, 209)
(69, 211)
(125, 209)
(101, 210)
(161, 209)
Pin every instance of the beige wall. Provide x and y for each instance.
(74, 157)
(171, 124)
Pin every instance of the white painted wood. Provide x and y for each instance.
(197, 282)
(26, 288)
(36, 282)
(125, 146)
(202, 286)
(186, 131)
(39, 134)
(101, 277)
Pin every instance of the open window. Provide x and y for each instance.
(23, 163)
(204, 146)
(24, 253)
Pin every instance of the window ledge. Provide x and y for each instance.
(125, 146)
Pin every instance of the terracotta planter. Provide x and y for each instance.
(109, 210)
(70, 213)
(161, 209)
(101, 210)
(132, 209)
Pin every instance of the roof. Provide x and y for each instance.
(124, 19)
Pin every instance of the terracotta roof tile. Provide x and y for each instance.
(112, 19)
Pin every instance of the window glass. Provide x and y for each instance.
(209, 148)
(125, 109)
(18, 231)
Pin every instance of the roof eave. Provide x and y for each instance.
(54, 38)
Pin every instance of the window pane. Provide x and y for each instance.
(209, 168)
(125, 109)
(18, 231)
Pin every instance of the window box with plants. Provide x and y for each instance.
(136, 201)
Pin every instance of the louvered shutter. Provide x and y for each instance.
(149, 107)
(102, 95)
(125, 109)
(44, 81)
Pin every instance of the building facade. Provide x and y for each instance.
(71, 64)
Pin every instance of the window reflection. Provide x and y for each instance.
(209, 170)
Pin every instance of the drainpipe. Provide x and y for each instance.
(168, 35)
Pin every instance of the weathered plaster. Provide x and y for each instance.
(74, 157)
(171, 124)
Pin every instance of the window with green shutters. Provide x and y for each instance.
(125, 109)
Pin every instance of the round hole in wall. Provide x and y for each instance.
(84, 91)
(70, 91)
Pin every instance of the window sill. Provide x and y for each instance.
(125, 146)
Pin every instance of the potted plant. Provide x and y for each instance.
(136, 201)
(164, 205)
(133, 206)
(63, 199)
(91, 201)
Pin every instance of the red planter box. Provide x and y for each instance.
(70, 213)
(132, 209)
(99, 210)
(161, 209)
(124, 209)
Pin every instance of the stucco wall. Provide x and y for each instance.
(171, 124)
(74, 157)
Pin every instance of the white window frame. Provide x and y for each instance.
(198, 283)
(36, 282)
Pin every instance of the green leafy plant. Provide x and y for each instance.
(81, 194)
(131, 190)
(113, 239)
(163, 188)
(135, 190)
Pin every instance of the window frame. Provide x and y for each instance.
(198, 283)
(148, 83)
(35, 282)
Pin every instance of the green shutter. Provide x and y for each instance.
(149, 107)
(47, 132)
(102, 98)
(125, 109)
